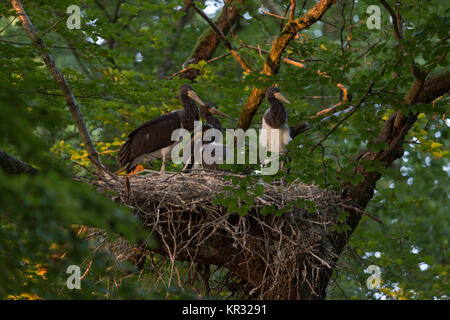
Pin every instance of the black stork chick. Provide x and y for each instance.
(275, 119)
(152, 140)
(207, 111)
(211, 122)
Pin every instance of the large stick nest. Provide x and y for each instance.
(276, 256)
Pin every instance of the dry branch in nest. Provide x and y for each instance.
(277, 257)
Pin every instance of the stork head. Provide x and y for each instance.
(187, 92)
(274, 93)
(207, 108)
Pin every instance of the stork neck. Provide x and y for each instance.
(276, 104)
(276, 116)
(190, 114)
(189, 105)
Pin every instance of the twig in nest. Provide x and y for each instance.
(185, 219)
(127, 189)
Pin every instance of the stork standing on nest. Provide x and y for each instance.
(211, 122)
(276, 135)
(152, 140)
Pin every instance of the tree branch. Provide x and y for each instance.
(12, 165)
(272, 63)
(292, 13)
(271, 14)
(273, 7)
(103, 8)
(395, 20)
(8, 25)
(434, 87)
(222, 36)
(186, 69)
(210, 40)
(286, 60)
(62, 82)
(366, 94)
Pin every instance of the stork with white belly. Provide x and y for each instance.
(276, 133)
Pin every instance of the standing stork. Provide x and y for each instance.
(211, 122)
(276, 135)
(152, 140)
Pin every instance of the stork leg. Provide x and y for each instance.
(187, 165)
(288, 159)
(163, 166)
(282, 164)
(283, 178)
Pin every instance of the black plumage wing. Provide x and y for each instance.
(213, 122)
(150, 136)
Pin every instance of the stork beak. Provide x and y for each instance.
(219, 113)
(280, 97)
(194, 97)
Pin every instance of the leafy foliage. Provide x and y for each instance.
(114, 67)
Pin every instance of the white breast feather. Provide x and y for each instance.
(274, 140)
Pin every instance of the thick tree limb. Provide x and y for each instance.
(210, 40)
(62, 82)
(272, 63)
(12, 165)
(222, 36)
(434, 87)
